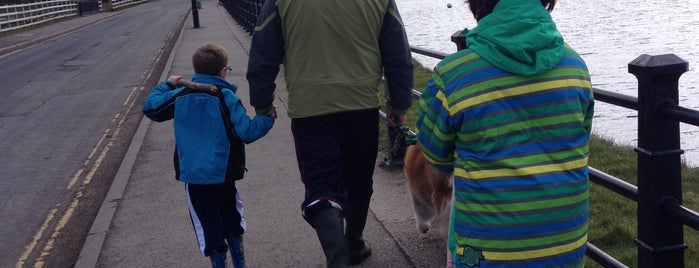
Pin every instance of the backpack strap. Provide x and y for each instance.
(226, 113)
(237, 145)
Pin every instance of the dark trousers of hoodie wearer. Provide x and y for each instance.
(216, 212)
(336, 155)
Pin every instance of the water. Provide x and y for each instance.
(608, 35)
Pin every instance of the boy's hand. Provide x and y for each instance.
(172, 81)
(271, 110)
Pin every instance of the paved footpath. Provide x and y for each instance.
(144, 220)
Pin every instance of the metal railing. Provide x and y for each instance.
(244, 12)
(660, 214)
(659, 190)
(116, 4)
(15, 17)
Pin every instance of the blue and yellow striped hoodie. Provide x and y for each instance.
(511, 116)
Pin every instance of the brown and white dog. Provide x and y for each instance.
(430, 189)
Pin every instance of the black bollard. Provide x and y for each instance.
(195, 14)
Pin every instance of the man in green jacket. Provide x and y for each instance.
(335, 53)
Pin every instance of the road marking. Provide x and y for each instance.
(131, 95)
(74, 178)
(37, 237)
(56, 231)
(129, 103)
(111, 133)
(97, 146)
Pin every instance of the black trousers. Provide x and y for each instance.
(216, 212)
(336, 155)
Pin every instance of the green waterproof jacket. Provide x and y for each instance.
(334, 52)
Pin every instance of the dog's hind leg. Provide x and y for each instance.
(424, 212)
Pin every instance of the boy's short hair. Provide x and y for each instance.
(210, 59)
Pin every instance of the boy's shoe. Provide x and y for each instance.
(218, 261)
(235, 244)
(359, 250)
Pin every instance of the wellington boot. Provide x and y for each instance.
(235, 245)
(359, 250)
(329, 227)
(218, 261)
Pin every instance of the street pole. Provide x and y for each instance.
(195, 13)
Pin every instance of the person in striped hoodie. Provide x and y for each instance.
(511, 116)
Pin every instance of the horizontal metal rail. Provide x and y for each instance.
(428, 52)
(616, 98)
(687, 216)
(602, 257)
(614, 184)
(678, 113)
(124, 3)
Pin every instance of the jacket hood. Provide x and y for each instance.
(519, 37)
(214, 80)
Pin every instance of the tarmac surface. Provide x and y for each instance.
(144, 221)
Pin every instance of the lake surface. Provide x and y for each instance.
(607, 34)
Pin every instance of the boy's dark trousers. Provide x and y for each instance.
(216, 213)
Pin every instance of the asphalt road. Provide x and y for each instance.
(68, 109)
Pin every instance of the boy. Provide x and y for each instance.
(209, 122)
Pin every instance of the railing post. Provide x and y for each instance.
(660, 238)
(107, 6)
(459, 39)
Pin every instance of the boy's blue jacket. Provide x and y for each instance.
(202, 146)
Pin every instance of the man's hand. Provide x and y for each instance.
(396, 119)
(271, 110)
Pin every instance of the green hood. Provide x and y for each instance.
(519, 36)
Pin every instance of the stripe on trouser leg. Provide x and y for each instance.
(198, 228)
(239, 207)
